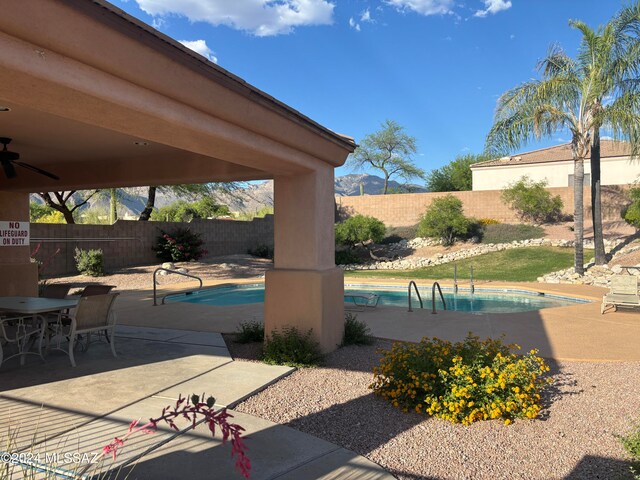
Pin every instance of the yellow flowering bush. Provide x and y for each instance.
(462, 382)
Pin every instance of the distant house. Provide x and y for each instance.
(555, 165)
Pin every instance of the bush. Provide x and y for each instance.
(631, 214)
(359, 229)
(90, 262)
(356, 332)
(180, 246)
(631, 444)
(506, 233)
(462, 382)
(347, 257)
(533, 201)
(488, 221)
(444, 219)
(262, 251)
(249, 332)
(292, 348)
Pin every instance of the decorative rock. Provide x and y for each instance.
(182, 270)
(169, 266)
(616, 269)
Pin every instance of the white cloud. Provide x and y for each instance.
(260, 17)
(424, 7)
(353, 24)
(492, 7)
(201, 47)
(366, 16)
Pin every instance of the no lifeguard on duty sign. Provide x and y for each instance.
(14, 234)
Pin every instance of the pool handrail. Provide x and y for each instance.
(409, 295)
(155, 273)
(433, 297)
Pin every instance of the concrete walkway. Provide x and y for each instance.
(56, 412)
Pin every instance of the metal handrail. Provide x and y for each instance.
(409, 295)
(155, 273)
(472, 287)
(433, 297)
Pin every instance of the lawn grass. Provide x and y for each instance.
(515, 265)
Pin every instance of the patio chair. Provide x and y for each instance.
(90, 290)
(94, 314)
(623, 292)
(359, 302)
(56, 290)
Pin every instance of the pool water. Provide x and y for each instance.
(489, 301)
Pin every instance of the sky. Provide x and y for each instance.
(437, 67)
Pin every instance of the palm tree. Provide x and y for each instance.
(560, 100)
(610, 58)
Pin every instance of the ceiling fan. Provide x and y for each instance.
(9, 159)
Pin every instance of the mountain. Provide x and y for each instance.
(251, 198)
(349, 185)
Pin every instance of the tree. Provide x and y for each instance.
(388, 150)
(610, 58)
(561, 100)
(66, 202)
(192, 191)
(455, 176)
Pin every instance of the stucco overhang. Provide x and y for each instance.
(85, 82)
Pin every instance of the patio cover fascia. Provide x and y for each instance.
(87, 84)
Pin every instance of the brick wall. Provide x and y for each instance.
(129, 242)
(407, 208)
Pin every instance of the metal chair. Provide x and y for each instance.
(56, 290)
(93, 314)
(90, 290)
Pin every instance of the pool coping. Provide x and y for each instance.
(508, 288)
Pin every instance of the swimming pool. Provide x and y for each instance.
(485, 300)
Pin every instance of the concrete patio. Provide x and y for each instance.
(577, 332)
(52, 408)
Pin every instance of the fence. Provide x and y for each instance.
(406, 209)
(130, 243)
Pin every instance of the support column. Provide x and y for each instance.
(18, 275)
(305, 289)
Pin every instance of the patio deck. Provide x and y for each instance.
(577, 332)
(56, 410)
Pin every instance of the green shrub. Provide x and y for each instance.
(262, 251)
(631, 444)
(359, 229)
(631, 214)
(506, 233)
(462, 382)
(292, 348)
(356, 332)
(249, 332)
(181, 245)
(89, 262)
(347, 257)
(533, 201)
(444, 219)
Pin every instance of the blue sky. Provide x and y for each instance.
(435, 66)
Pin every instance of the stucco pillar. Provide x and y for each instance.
(305, 289)
(18, 275)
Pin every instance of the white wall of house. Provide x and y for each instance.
(615, 171)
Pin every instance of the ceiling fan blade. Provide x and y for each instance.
(9, 171)
(36, 169)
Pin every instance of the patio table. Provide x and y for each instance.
(23, 316)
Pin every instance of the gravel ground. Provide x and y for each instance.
(575, 439)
